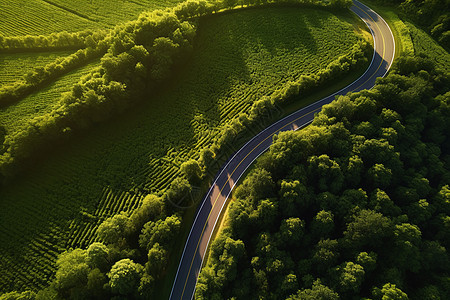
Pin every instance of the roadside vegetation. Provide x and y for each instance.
(432, 16)
(353, 206)
(350, 207)
(166, 96)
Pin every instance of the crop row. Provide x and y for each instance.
(49, 16)
(14, 66)
(239, 58)
(424, 44)
(38, 17)
(13, 117)
(115, 12)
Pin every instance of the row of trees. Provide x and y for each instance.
(263, 110)
(139, 55)
(41, 76)
(132, 251)
(54, 41)
(354, 206)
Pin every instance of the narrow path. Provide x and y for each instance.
(211, 208)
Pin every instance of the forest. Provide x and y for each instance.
(121, 149)
(354, 206)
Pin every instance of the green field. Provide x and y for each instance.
(21, 17)
(14, 65)
(13, 117)
(424, 44)
(238, 58)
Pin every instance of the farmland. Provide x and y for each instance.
(424, 44)
(14, 65)
(239, 57)
(14, 117)
(24, 17)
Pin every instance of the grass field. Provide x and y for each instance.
(21, 17)
(13, 117)
(13, 66)
(424, 44)
(238, 58)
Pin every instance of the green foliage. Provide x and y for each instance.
(113, 229)
(27, 295)
(124, 277)
(97, 256)
(425, 45)
(389, 291)
(431, 14)
(318, 291)
(72, 275)
(162, 232)
(192, 170)
(381, 235)
(113, 167)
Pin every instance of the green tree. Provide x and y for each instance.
(318, 291)
(323, 224)
(291, 232)
(97, 256)
(72, 273)
(368, 229)
(367, 260)
(157, 261)
(350, 277)
(114, 229)
(152, 207)
(256, 186)
(325, 173)
(389, 292)
(192, 170)
(124, 277)
(382, 203)
(162, 232)
(326, 255)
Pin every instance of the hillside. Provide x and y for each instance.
(238, 57)
(45, 16)
(354, 206)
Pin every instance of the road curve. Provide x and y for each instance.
(209, 212)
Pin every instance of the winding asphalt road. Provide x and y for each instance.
(209, 212)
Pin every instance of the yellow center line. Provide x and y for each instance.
(229, 177)
(384, 49)
(271, 135)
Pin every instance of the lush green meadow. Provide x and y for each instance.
(238, 57)
(424, 44)
(14, 117)
(13, 66)
(24, 17)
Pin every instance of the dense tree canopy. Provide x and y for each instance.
(352, 206)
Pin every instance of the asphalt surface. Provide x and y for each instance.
(209, 212)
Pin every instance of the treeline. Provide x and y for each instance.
(354, 206)
(432, 14)
(139, 55)
(195, 8)
(55, 41)
(264, 110)
(40, 76)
